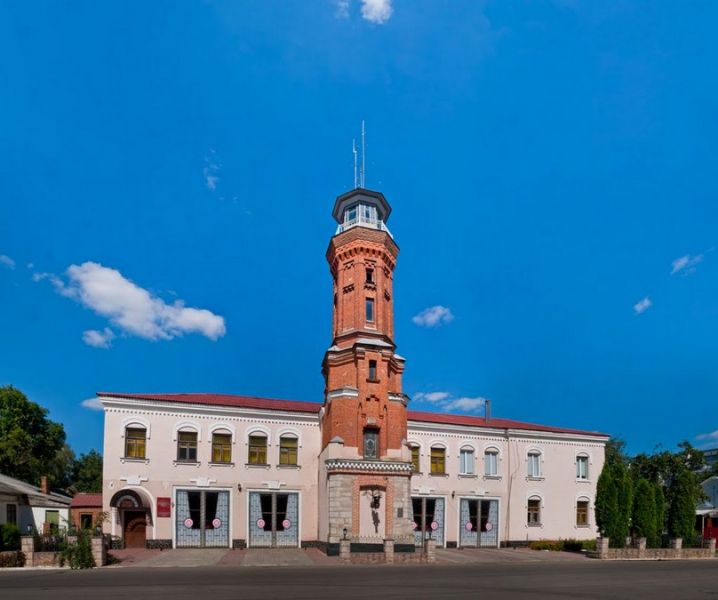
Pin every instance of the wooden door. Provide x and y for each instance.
(135, 534)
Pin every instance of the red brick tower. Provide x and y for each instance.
(364, 417)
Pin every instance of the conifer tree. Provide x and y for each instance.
(644, 511)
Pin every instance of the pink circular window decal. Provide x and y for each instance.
(188, 523)
(261, 523)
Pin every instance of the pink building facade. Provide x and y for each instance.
(217, 470)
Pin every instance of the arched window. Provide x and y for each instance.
(534, 511)
(534, 463)
(466, 460)
(415, 458)
(288, 449)
(582, 467)
(187, 446)
(491, 462)
(135, 441)
(221, 446)
(438, 460)
(582, 505)
(257, 449)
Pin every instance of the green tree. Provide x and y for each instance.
(60, 470)
(682, 506)
(624, 503)
(29, 441)
(87, 474)
(644, 511)
(660, 511)
(606, 507)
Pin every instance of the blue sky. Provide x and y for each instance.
(168, 170)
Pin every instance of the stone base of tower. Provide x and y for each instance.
(368, 502)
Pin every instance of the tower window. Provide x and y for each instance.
(372, 370)
(370, 310)
(371, 439)
(370, 275)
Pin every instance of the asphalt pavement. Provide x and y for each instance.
(575, 579)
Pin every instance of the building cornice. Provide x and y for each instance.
(206, 409)
(513, 433)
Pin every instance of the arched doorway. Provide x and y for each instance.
(134, 514)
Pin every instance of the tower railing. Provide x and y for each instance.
(361, 221)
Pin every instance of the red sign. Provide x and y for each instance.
(164, 507)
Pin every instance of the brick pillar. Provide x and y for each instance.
(389, 551)
(602, 547)
(99, 552)
(430, 550)
(27, 545)
(345, 550)
(641, 547)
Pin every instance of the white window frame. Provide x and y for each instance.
(494, 453)
(534, 456)
(582, 459)
(467, 466)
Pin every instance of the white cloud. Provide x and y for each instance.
(92, 404)
(98, 339)
(712, 436)
(376, 11)
(6, 261)
(445, 402)
(342, 9)
(465, 404)
(642, 305)
(131, 308)
(433, 316)
(431, 396)
(686, 263)
(211, 171)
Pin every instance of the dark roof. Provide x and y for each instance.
(357, 195)
(83, 500)
(315, 407)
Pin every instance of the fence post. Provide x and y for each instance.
(641, 547)
(602, 547)
(389, 551)
(345, 553)
(27, 545)
(430, 550)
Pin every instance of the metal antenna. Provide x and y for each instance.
(354, 152)
(363, 155)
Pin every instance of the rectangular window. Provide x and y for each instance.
(438, 461)
(466, 462)
(85, 520)
(582, 467)
(11, 514)
(371, 443)
(187, 446)
(351, 215)
(534, 512)
(370, 310)
(415, 460)
(372, 370)
(534, 464)
(370, 275)
(491, 463)
(135, 442)
(52, 519)
(194, 500)
(582, 513)
(288, 450)
(221, 447)
(257, 450)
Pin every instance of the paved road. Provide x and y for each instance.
(585, 579)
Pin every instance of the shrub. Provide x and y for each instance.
(12, 559)
(563, 545)
(9, 537)
(682, 509)
(79, 554)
